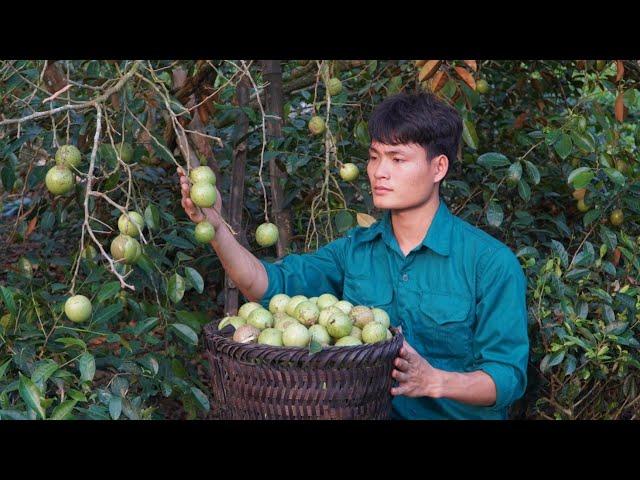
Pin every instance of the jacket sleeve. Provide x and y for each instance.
(309, 274)
(501, 342)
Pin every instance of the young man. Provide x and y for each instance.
(457, 293)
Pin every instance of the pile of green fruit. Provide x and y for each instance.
(297, 321)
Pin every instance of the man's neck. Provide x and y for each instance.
(411, 225)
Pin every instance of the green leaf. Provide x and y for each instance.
(563, 146)
(43, 371)
(493, 159)
(72, 341)
(580, 177)
(195, 279)
(8, 177)
(469, 134)
(178, 242)
(533, 172)
(30, 393)
(87, 367)
(361, 134)
(7, 296)
(191, 319)
(62, 411)
(185, 333)
(559, 249)
(201, 398)
(108, 291)
(115, 407)
(524, 190)
(107, 313)
(495, 215)
(616, 328)
(591, 215)
(145, 326)
(76, 395)
(344, 221)
(175, 288)
(616, 176)
(3, 368)
(584, 142)
(152, 217)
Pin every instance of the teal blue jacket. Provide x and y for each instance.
(459, 297)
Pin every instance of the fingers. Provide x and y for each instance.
(400, 376)
(401, 364)
(399, 390)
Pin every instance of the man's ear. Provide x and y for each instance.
(441, 166)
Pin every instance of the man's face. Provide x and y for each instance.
(401, 176)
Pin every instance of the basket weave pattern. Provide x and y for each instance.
(251, 381)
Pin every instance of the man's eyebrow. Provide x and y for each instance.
(389, 152)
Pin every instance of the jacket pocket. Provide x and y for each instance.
(444, 328)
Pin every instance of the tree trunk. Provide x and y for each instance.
(272, 72)
(236, 201)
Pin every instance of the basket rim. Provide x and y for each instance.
(211, 331)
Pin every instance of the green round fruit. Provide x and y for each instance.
(267, 234)
(89, 252)
(246, 334)
(68, 156)
(6, 321)
(126, 152)
(307, 313)
(361, 315)
(260, 318)
(202, 174)
(204, 232)
(348, 341)
(271, 336)
(339, 325)
(482, 86)
(314, 300)
(236, 321)
(356, 333)
(381, 316)
(326, 300)
(617, 217)
(334, 86)
(290, 309)
(317, 125)
(349, 172)
(78, 308)
(583, 207)
(320, 334)
(132, 225)
(25, 267)
(389, 334)
(284, 321)
(246, 309)
(326, 313)
(296, 335)
(59, 180)
(126, 249)
(374, 332)
(203, 194)
(344, 306)
(278, 303)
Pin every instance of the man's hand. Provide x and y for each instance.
(415, 376)
(195, 213)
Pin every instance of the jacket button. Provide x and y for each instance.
(405, 278)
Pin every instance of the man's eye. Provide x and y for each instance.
(372, 159)
(398, 160)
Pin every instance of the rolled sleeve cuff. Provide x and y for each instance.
(274, 284)
(504, 380)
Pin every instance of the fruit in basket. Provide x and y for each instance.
(284, 321)
(325, 315)
(314, 300)
(374, 332)
(344, 306)
(356, 332)
(320, 334)
(290, 309)
(348, 341)
(361, 315)
(247, 308)
(296, 335)
(326, 300)
(270, 336)
(307, 313)
(246, 334)
(278, 303)
(381, 316)
(389, 334)
(339, 325)
(237, 322)
(260, 318)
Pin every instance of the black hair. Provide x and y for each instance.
(420, 118)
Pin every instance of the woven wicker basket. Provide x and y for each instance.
(251, 381)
